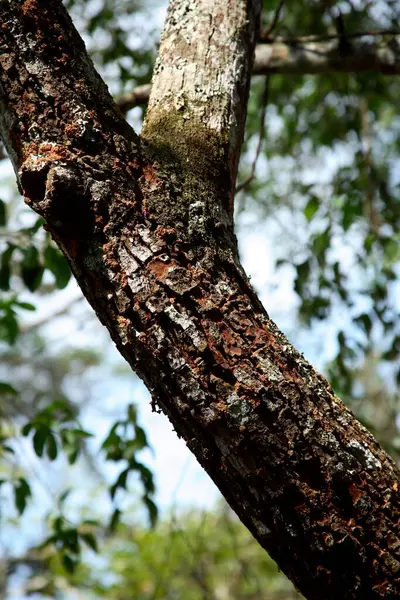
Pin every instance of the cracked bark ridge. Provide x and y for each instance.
(149, 238)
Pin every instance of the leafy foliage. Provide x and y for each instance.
(125, 439)
(191, 555)
(328, 186)
(55, 427)
(67, 539)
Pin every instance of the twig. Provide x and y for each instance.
(44, 320)
(275, 20)
(265, 96)
(138, 97)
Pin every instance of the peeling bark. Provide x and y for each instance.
(146, 225)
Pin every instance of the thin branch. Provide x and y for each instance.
(29, 327)
(303, 39)
(275, 20)
(138, 97)
(250, 177)
(311, 55)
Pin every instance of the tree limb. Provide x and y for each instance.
(148, 234)
(310, 55)
(184, 74)
(300, 57)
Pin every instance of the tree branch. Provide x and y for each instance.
(63, 310)
(305, 56)
(274, 21)
(145, 228)
(183, 72)
(310, 55)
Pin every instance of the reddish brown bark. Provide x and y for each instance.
(147, 229)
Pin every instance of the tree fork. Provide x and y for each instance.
(146, 225)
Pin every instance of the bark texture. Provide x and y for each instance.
(147, 228)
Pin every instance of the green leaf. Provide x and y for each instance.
(81, 433)
(22, 492)
(90, 540)
(113, 438)
(7, 390)
(349, 215)
(70, 539)
(9, 328)
(140, 438)
(3, 213)
(145, 475)
(120, 483)
(37, 225)
(72, 455)
(303, 272)
(152, 510)
(392, 251)
(32, 270)
(69, 562)
(51, 446)
(55, 262)
(365, 322)
(39, 439)
(338, 201)
(25, 305)
(5, 268)
(61, 406)
(27, 429)
(369, 242)
(115, 519)
(321, 244)
(58, 525)
(311, 208)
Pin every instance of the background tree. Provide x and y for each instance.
(315, 278)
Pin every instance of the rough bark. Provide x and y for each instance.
(373, 54)
(147, 228)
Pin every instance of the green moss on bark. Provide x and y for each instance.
(194, 158)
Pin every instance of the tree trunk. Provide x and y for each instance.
(146, 225)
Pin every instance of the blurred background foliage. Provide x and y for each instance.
(325, 195)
